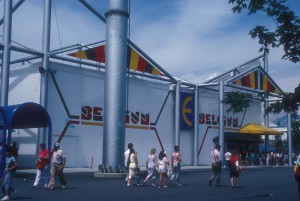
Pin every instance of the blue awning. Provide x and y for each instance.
(26, 115)
(22, 116)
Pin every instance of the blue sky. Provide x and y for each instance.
(191, 39)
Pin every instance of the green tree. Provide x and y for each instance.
(238, 101)
(296, 133)
(286, 32)
(289, 103)
(279, 145)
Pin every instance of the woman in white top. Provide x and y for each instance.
(133, 165)
(163, 168)
(151, 165)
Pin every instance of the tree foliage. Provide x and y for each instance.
(289, 103)
(237, 101)
(296, 133)
(286, 33)
(279, 145)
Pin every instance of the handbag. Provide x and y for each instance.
(39, 164)
(137, 170)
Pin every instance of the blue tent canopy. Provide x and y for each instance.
(26, 115)
(21, 116)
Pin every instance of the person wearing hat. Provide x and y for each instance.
(58, 165)
(216, 165)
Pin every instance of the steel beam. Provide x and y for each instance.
(45, 63)
(221, 125)
(6, 52)
(115, 83)
(177, 113)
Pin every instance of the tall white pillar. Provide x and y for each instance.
(115, 82)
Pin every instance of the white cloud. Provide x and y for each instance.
(204, 38)
(192, 40)
(196, 38)
(74, 22)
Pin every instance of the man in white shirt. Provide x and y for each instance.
(58, 165)
(227, 157)
(216, 161)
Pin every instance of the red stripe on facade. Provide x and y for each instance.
(100, 53)
(142, 63)
(208, 127)
(247, 81)
(256, 79)
(270, 87)
(158, 138)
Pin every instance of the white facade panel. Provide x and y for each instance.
(149, 122)
(209, 122)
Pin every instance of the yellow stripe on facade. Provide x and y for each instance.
(238, 82)
(92, 123)
(232, 129)
(155, 71)
(265, 83)
(138, 127)
(252, 80)
(81, 55)
(126, 126)
(134, 59)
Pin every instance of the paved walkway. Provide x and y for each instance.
(256, 184)
(183, 169)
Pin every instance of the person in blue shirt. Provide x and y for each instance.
(10, 171)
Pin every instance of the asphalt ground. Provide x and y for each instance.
(261, 184)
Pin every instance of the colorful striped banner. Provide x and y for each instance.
(136, 61)
(251, 81)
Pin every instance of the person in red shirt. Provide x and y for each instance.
(233, 166)
(43, 166)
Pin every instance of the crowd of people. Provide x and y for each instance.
(264, 158)
(235, 163)
(42, 164)
(169, 171)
